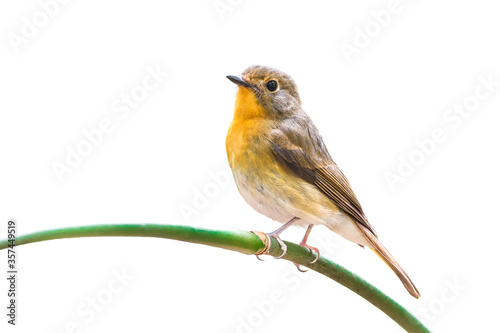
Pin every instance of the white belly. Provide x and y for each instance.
(264, 202)
(279, 208)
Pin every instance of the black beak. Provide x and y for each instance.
(239, 81)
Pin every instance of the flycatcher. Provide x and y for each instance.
(284, 171)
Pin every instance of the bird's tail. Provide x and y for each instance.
(384, 254)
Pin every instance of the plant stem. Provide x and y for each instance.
(240, 241)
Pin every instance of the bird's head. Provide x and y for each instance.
(265, 92)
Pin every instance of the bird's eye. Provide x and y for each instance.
(272, 85)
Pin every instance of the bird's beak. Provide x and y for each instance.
(239, 81)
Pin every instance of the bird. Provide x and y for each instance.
(283, 170)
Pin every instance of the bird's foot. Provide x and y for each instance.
(266, 239)
(280, 242)
(312, 249)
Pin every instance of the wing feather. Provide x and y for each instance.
(318, 168)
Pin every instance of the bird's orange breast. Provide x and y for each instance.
(247, 134)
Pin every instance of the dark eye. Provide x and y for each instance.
(272, 85)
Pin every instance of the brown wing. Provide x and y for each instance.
(313, 163)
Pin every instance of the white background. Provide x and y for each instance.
(441, 223)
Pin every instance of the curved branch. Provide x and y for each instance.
(244, 242)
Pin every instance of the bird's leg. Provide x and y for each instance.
(275, 234)
(313, 249)
(304, 243)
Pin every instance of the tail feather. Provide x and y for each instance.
(384, 254)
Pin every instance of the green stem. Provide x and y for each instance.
(240, 241)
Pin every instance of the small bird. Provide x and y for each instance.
(283, 169)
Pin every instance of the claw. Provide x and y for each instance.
(267, 242)
(298, 267)
(312, 249)
(281, 243)
(265, 238)
(316, 259)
